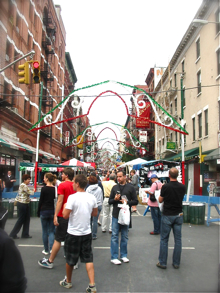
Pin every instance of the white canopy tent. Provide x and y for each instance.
(129, 165)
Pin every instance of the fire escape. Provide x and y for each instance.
(48, 43)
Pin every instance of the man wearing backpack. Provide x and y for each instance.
(152, 202)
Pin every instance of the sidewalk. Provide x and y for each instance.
(198, 271)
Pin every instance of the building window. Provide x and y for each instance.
(171, 108)
(176, 137)
(13, 98)
(175, 101)
(160, 146)
(183, 66)
(194, 128)
(171, 83)
(218, 61)
(8, 51)
(199, 83)
(198, 48)
(200, 124)
(206, 122)
(175, 80)
(217, 18)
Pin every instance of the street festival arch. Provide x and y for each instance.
(139, 105)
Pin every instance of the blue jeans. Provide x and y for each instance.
(114, 239)
(8, 189)
(168, 223)
(95, 223)
(156, 217)
(47, 231)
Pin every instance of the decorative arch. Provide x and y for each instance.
(107, 128)
(49, 116)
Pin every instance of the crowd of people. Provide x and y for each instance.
(69, 212)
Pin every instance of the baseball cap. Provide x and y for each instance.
(153, 176)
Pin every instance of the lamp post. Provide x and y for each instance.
(203, 21)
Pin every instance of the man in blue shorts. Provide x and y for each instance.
(79, 209)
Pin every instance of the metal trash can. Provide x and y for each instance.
(186, 218)
(197, 213)
(34, 207)
(9, 205)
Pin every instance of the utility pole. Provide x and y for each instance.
(38, 138)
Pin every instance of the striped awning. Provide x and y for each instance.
(25, 147)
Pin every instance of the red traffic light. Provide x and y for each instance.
(36, 71)
(36, 64)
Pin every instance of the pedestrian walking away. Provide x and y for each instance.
(22, 201)
(64, 190)
(79, 209)
(106, 207)
(154, 207)
(46, 212)
(121, 193)
(172, 195)
(94, 189)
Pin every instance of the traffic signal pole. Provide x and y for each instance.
(38, 138)
(28, 54)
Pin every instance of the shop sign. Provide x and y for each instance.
(218, 161)
(67, 137)
(80, 138)
(2, 160)
(143, 136)
(171, 145)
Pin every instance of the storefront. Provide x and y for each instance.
(13, 152)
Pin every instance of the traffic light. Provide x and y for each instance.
(36, 71)
(25, 73)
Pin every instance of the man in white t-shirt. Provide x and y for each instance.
(79, 208)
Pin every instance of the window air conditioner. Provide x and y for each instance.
(17, 29)
(6, 57)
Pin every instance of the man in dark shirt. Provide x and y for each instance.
(172, 195)
(120, 193)
(9, 182)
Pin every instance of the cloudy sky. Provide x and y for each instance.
(120, 40)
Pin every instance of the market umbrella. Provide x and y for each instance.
(75, 162)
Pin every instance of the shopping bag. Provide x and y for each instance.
(157, 195)
(124, 215)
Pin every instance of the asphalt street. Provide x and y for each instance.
(199, 270)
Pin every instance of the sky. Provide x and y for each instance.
(120, 40)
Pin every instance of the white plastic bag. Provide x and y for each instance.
(124, 215)
(157, 195)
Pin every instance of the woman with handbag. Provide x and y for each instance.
(46, 211)
(23, 208)
(154, 207)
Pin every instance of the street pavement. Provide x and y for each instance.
(199, 270)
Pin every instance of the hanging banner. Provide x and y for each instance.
(158, 72)
(144, 112)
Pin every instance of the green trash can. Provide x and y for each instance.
(197, 213)
(34, 207)
(9, 205)
(186, 218)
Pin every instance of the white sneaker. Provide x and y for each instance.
(62, 243)
(76, 266)
(125, 259)
(116, 261)
(45, 252)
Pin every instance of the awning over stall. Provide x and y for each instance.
(188, 155)
(214, 155)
